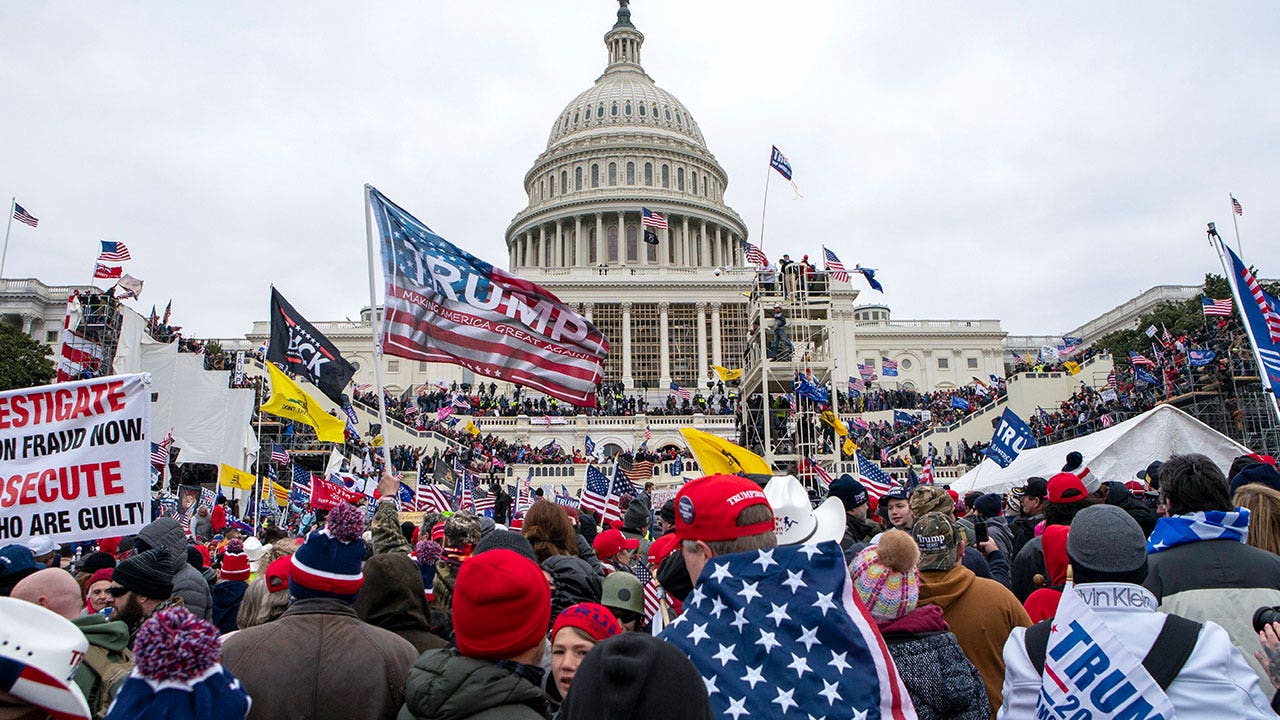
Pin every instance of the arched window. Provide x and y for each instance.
(679, 118)
(693, 181)
(666, 176)
(613, 111)
(631, 172)
(575, 117)
(542, 189)
(633, 249)
(668, 111)
(551, 186)
(611, 243)
(591, 246)
(564, 181)
(648, 174)
(680, 179)
(565, 124)
(600, 111)
(595, 175)
(642, 110)
(627, 108)
(613, 173)
(577, 178)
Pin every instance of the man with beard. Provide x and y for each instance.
(140, 585)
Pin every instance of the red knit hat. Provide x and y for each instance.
(235, 564)
(707, 508)
(1066, 488)
(593, 619)
(501, 602)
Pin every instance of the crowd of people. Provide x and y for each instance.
(675, 612)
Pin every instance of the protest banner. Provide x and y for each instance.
(75, 460)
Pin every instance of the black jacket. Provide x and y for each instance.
(444, 685)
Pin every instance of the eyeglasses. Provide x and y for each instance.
(118, 590)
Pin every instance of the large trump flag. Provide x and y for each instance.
(445, 305)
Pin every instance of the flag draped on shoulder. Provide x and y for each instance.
(445, 305)
(296, 344)
(290, 401)
(777, 633)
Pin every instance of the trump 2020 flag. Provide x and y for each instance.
(777, 633)
(445, 305)
(1012, 436)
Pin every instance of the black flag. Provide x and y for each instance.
(302, 349)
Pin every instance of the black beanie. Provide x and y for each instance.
(149, 574)
(506, 540)
(95, 561)
(635, 676)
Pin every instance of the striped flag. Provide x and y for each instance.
(524, 494)
(1111, 379)
(160, 451)
(107, 272)
(1235, 205)
(23, 216)
(431, 498)
(595, 494)
(834, 266)
(649, 218)
(819, 472)
(875, 480)
(279, 455)
(636, 472)
(652, 591)
(488, 321)
(1268, 313)
(113, 252)
(926, 473)
(754, 255)
(682, 393)
(1216, 307)
(481, 499)
(1138, 358)
(300, 489)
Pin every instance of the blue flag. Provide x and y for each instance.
(590, 445)
(779, 162)
(806, 388)
(870, 275)
(407, 495)
(1261, 313)
(775, 633)
(902, 417)
(1200, 358)
(959, 403)
(1143, 376)
(1012, 437)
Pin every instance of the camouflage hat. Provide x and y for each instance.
(931, 498)
(622, 591)
(935, 533)
(461, 529)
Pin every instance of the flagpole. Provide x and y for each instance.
(1236, 223)
(1235, 293)
(374, 317)
(4, 254)
(257, 470)
(768, 175)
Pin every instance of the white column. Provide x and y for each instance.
(716, 359)
(683, 257)
(528, 248)
(704, 260)
(588, 311)
(717, 254)
(561, 254)
(664, 351)
(626, 346)
(622, 238)
(702, 341)
(664, 243)
(542, 245)
(600, 253)
(579, 243)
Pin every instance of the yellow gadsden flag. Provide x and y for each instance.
(717, 456)
(471, 428)
(1072, 367)
(233, 478)
(833, 420)
(727, 375)
(290, 401)
(850, 447)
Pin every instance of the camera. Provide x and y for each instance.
(1264, 616)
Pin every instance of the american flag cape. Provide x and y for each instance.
(445, 305)
(778, 634)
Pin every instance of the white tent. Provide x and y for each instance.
(1116, 453)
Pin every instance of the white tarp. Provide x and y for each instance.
(133, 334)
(1116, 453)
(210, 421)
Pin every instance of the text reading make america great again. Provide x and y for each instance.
(75, 459)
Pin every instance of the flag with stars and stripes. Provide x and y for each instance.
(681, 392)
(1261, 315)
(753, 254)
(23, 216)
(431, 498)
(777, 634)
(1235, 206)
(279, 454)
(113, 252)
(649, 218)
(652, 590)
(595, 493)
(1216, 307)
(160, 451)
(300, 489)
(926, 473)
(875, 480)
(834, 266)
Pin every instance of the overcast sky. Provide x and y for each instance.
(1035, 163)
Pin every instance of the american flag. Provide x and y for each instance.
(520, 332)
(300, 489)
(1235, 205)
(926, 473)
(621, 486)
(649, 218)
(595, 493)
(23, 216)
(481, 499)
(835, 267)
(636, 472)
(1138, 358)
(524, 493)
(431, 498)
(857, 384)
(873, 478)
(776, 633)
(866, 371)
(363, 388)
(106, 271)
(819, 472)
(754, 255)
(889, 368)
(113, 251)
(1268, 313)
(682, 393)
(652, 591)
(160, 451)
(1216, 307)
(1111, 379)
(648, 433)
(279, 454)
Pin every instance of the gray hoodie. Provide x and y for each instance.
(188, 583)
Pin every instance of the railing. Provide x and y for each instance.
(988, 325)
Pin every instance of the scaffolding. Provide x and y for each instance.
(89, 349)
(790, 338)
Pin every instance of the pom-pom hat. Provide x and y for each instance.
(39, 653)
(501, 602)
(707, 508)
(885, 576)
(329, 563)
(179, 674)
(235, 564)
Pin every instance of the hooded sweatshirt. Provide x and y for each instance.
(393, 598)
(188, 583)
(981, 613)
(110, 635)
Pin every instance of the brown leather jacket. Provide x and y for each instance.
(320, 662)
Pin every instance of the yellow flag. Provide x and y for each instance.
(717, 456)
(833, 420)
(850, 447)
(471, 428)
(233, 478)
(275, 491)
(376, 441)
(1072, 367)
(290, 401)
(726, 374)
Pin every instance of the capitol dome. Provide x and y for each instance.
(623, 146)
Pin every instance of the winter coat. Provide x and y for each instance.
(444, 685)
(572, 581)
(1023, 528)
(981, 613)
(856, 530)
(1121, 497)
(393, 598)
(227, 596)
(319, 661)
(110, 635)
(1219, 580)
(1214, 682)
(998, 530)
(1028, 563)
(921, 644)
(188, 583)
(588, 553)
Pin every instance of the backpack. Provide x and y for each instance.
(1164, 660)
(111, 675)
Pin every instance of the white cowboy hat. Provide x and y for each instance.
(39, 653)
(795, 521)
